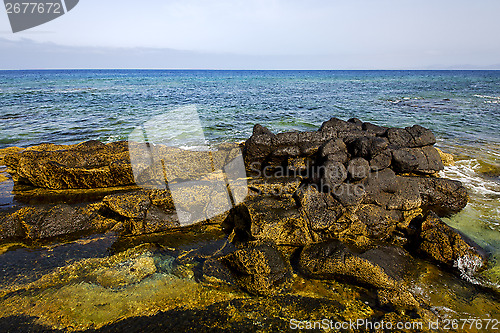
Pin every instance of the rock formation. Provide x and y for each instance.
(352, 201)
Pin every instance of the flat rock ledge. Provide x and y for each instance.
(351, 201)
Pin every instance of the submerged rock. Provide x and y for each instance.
(125, 273)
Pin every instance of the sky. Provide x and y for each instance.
(261, 34)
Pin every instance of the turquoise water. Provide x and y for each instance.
(461, 107)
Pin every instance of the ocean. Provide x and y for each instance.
(461, 107)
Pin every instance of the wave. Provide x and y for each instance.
(468, 172)
(488, 97)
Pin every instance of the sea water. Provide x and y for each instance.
(461, 107)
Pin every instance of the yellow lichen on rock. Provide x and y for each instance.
(446, 158)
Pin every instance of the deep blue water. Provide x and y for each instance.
(70, 106)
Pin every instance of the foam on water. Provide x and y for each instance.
(480, 219)
(467, 171)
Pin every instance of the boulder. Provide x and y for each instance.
(334, 147)
(424, 160)
(339, 125)
(412, 137)
(358, 168)
(349, 195)
(334, 173)
(380, 223)
(286, 151)
(389, 191)
(446, 245)
(214, 271)
(259, 145)
(309, 142)
(321, 209)
(380, 267)
(285, 139)
(260, 269)
(368, 147)
(444, 196)
(381, 161)
(375, 129)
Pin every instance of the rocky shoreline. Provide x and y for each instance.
(351, 203)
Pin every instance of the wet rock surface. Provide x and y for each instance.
(346, 211)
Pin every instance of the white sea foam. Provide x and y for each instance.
(466, 171)
(486, 96)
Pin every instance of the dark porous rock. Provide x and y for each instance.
(339, 125)
(90, 164)
(444, 196)
(380, 267)
(139, 211)
(333, 147)
(260, 269)
(419, 160)
(309, 142)
(259, 145)
(377, 130)
(11, 227)
(358, 168)
(407, 195)
(320, 208)
(275, 219)
(380, 222)
(389, 191)
(381, 161)
(421, 136)
(346, 130)
(286, 151)
(356, 121)
(415, 136)
(334, 173)
(368, 147)
(285, 139)
(349, 195)
(446, 245)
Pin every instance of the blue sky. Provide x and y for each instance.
(261, 34)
